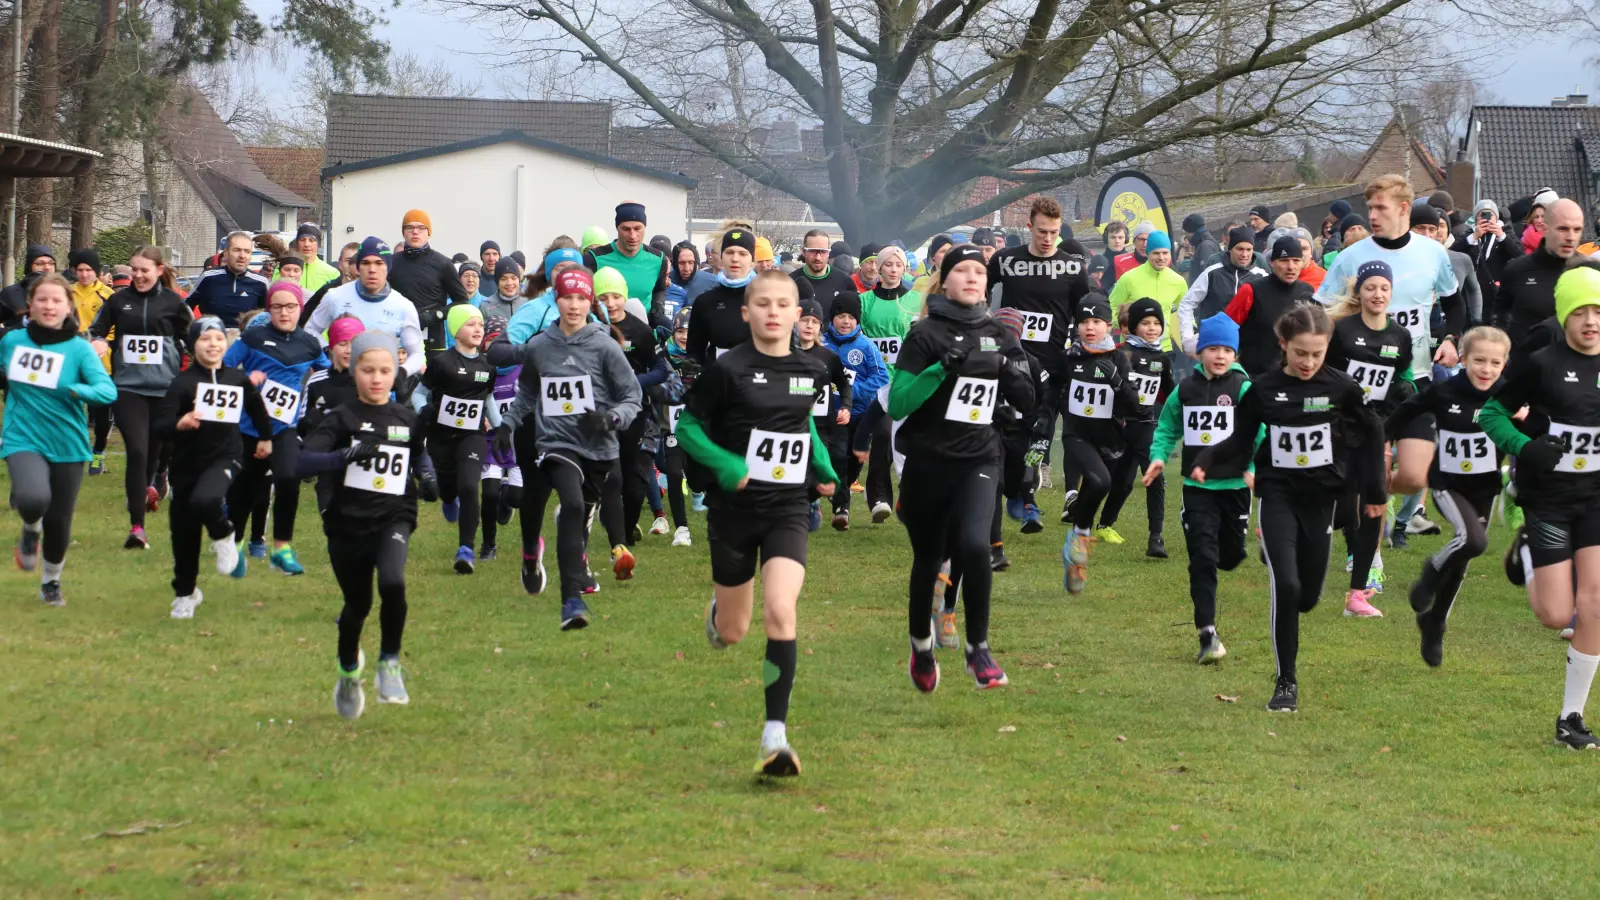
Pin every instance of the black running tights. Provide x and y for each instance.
(355, 559)
(947, 509)
(134, 414)
(1295, 534)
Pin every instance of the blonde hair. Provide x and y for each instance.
(1347, 303)
(1484, 334)
(1393, 185)
(777, 277)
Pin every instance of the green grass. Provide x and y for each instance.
(615, 761)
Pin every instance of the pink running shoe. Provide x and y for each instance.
(1358, 603)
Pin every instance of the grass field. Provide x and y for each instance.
(615, 761)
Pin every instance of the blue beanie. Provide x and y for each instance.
(1218, 331)
(486, 246)
(1373, 268)
(1339, 209)
(630, 212)
(555, 258)
(1158, 240)
(373, 246)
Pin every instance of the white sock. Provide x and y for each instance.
(50, 571)
(774, 735)
(1527, 568)
(924, 644)
(974, 648)
(35, 527)
(1209, 629)
(1580, 675)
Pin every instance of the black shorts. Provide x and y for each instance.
(1420, 428)
(1554, 535)
(738, 538)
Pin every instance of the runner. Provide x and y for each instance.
(716, 323)
(671, 459)
(371, 299)
(748, 419)
(887, 312)
(953, 368)
(1320, 435)
(49, 378)
(370, 516)
(89, 294)
(422, 276)
(328, 389)
(277, 357)
(649, 366)
(1262, 301)
(642, 268)
(151, 323)
(864, 367)
(832, 415)
(1148, 367)
(201, 416)
(502, 478)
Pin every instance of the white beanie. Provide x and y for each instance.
(1545, 198)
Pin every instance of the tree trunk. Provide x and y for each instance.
(46, 65)
(89, 131)
(151, 151)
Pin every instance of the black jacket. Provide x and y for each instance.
(1256, 308)
(428, 279)
(1205, 246)
(1527, 294)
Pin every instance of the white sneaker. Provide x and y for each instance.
(1419, 524)
(227, 555)
(881, 512)
(659, 526)
(183, 607)
(682, 538)
(1044, 478)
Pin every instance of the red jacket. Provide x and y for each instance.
(1126, 262)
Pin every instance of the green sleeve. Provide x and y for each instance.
(729, 467)
(1167, 428)
(1497, 424)
(908, 392)
(820, 463)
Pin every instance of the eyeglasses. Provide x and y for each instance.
(815, 250)
(283, 307)
(415, 227)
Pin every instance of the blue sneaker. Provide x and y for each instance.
(1031, 522)
(574, 614)
(1016, 509)
(258, 549)
(464, 561)
(700, 502)
(661, 481)
(451, 510)
(816, 516)
(284, 560)
(242, 567)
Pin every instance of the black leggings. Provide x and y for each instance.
(198, 504)
(1469, 517)
(1135, 459)
(47, 491)
(1361, 538)
(670, 461)
(271, 477)
(1081, 459)
(535, 488)
(635, 465)
(134, 414)
(579, 483)
(947, 509)
(499, 497)
(354, 559)
(100, 417)
(1295, 534)
(1214, 525)
(458, 460)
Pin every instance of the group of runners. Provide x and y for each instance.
(615, 365)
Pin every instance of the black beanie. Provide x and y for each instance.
(739, 237)
(810, 307)
(939, 240)
(983, 236)
(1260, 209)
(521, 260)
(1142, 309)
(870, 250)
(458, 259)
(1350, 221)
(847, 302)
(87, 256)
(839, 248)
(486, 246)
(1241, 235)
(506, 266)
(1425, 214)
(1015, 240)
(1194, 223)
(1093, 306)
(630, 212)
(1287, 247)
(959, 254)
(661, 244)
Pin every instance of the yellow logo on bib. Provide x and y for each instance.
(1088, 410)
(220, 415)
(1205, 438)
(566, 408)
(973, 415)
(1301, 460)
(277, 413)
(777, 473)
(32, 377)
(1580, 462)
(378, 482)
(1466, 466)
(460, 423)
(141, 357)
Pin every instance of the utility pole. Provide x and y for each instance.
(16, 128)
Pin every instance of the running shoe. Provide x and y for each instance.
(1513, 558)
(1156, 548)
(1031, 521)
(451, 510)
(1419, 524)
(349, 700)
(152, 499)
(841, 520)
(1423, 589)
(1358, 603)
(813, 518)
(227, 554)
(984, 670)
(699, 504)
(1285, 696)
(97, 464)
(778, 762)
(923, 669)
(464, 565)
(163, 487)
(27, 552)
(660, 526)
(284, 560)
(1211, 649)
(574, 614)
(1015, 508)
(713, 636)
(136, 539)
(1349, 563)
(1077, 578)
(634, 535)
(881, 512)
(1076, 550)
(487, 552)
(258, 549)
(241, 567)
(682, 537)
(856, 488)
(1432, 640)
(1397, 538)
(533, 571)
(1109, 535)
(50, 594)
(428, 486)
(504, 513)
(391, 683)
(183, 607)
(1066, 505)
(1574, 735)
(622, 562)
(997, 558)
(1514, 516)
(949, 638)
(1375, 577)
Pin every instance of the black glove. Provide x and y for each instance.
(360, 450)
(502, 438)
(1542, 453)
(595, 423)
(404, 385)
(953, 359)
(984, 364)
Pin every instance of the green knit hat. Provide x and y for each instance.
(1576, 288)
(460, 314)
(609, 281)
(593, 236)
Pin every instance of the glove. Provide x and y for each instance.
(404, 385)
(502, 438)
(953, 359)
(1036, 452)
(983, 365)
(595, 423)
(1542, 453)
(360, 450)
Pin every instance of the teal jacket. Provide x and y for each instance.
(1169, 434)
(52, 421)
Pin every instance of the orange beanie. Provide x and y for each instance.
(416, 215)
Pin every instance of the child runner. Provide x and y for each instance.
(460, 383)
(50, 375)
(832, 416)
(649, 365)
(328, 389)
(1215, 514)
(277, 357)
(864, 367)
(953, 367)
(671, 459)
(585, 396)
(1558, 483)
(749, 419)
(373, 511)
(887, 312)
(1465, 476)
(1018, 479)
(89, 294)
(1152, 379)
(201, 416)
(502, 479)
(1320, 435)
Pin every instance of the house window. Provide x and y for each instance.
(283, 222)
(146, 214)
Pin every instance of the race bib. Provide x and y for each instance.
(384, 473)
(1374, 380)
(282, 401)
(1088, 400)
(1036, 327)
(1148, 386)
(1206, 425)
(218, 403)
(1304, 447)
(889, 347)
(777, 458)
(972, 401)
(566, 396)
(1465, 454)
(673, 414)
(504, 406)
(142, 349)
(455, 412)
(1414, 321)
(1580, 447)
(820, 408)
(40, 368)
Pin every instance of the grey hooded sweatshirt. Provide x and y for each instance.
(591, 352)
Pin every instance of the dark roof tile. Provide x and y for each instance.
(1523, 148)
(199, 140)
(368, 126)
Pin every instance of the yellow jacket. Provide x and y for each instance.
(86, 303)
(1164, 286)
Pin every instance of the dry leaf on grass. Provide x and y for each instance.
(138, 828)
(1226, 699)
(1007, 729)
(1122, 739)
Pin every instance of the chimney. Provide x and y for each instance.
(1460, 180)
(1577, 99)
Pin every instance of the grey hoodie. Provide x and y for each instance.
(591, 351)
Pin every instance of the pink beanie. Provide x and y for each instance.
(343, 329)
(287, 287)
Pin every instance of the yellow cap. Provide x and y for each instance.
(763, 250)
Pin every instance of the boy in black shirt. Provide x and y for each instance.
(830, 419)
(1152, 379)
(460, 385)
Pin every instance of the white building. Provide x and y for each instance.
(510, 187)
